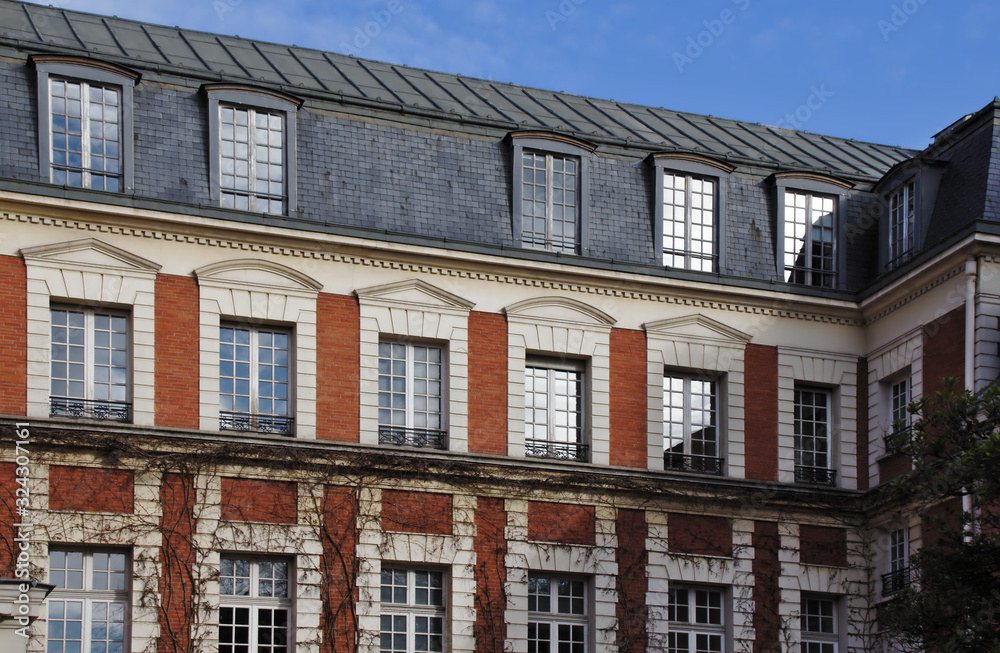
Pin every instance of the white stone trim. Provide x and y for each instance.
(902, 357)
(557, 326)
(90, 273)
(419, 311)
(837, 373)
(698, 344)
(262, 292)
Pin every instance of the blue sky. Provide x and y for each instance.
(888, 71)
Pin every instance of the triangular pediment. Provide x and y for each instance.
(696, 327)
(413, 292)
(256, 273)
(88, 253)
(559, 309)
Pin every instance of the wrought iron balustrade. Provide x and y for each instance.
(409, 437)
(815, 475)
(115, 411)
(692, 463)
(256, 423)
(895, 581)
(557, 450)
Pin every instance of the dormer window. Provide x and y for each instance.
(902, 211)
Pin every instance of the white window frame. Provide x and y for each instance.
(813, 474)
(88, 595)
(902, 222)
(897, 559)
(410, 610)
(899, 399)
(695, 626)
(253, 99)
(407, 433)
(689, 461)
(823, 640)
(812, 274)
(87, 72)
(254, 603)
(254, 419)
(811, 186)
(89, 405)
(551, 447)
(555, 618)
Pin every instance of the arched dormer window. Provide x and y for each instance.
(907, 193)
(551, 192)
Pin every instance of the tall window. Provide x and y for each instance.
(254, 606)
(900, 399)
(89, 607)
(809, 235)
(549, 201)
(688, 222)
(252, 151)
(812, 439)
(898, 575)
(557, 615)
(554, 411)
(819, 625)
(697, 620)
(413, 611)
(690, 424)
(254, 380)
(86, 134)
(410, 390)
(90, 364)
(901, 224)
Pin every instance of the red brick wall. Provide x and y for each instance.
(338, 368)
(822, 545)
(862, 424)
(177, 560)
(944, 350)
(699, 535)
(8, 517)
(416, 512)
(560, 522)
(13, 336)
(487, 383)
(338, 620)
(491, 575)
(628, 398)
(247, 499)
(890, 468)
(177, 351)
(761, 412)
(631, 556)
(91, 489)
(766, 594)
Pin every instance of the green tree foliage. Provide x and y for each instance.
(954, 443)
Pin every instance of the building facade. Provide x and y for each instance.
(306, 352)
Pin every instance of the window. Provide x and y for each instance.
(899, 563)
(252, 152)
(413, 613)
(899, 400)
(254, 379)
(812, 443)
(254, 606)
(809, 235)
(557, 614)
(89, 607)
(410, 385)
(901, 224)
(697, 620)
(690, 424)
(551, 191)
(819, 625)
(689, 222)
(85, 126)
(553, 411)
(89, 364)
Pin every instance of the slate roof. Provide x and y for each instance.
(314, 73)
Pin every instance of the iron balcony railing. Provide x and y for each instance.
(895, 581)
(815, 475)
(408, 437)
(557, 450)
(692, 463)
(115, 411)
(256, 423)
